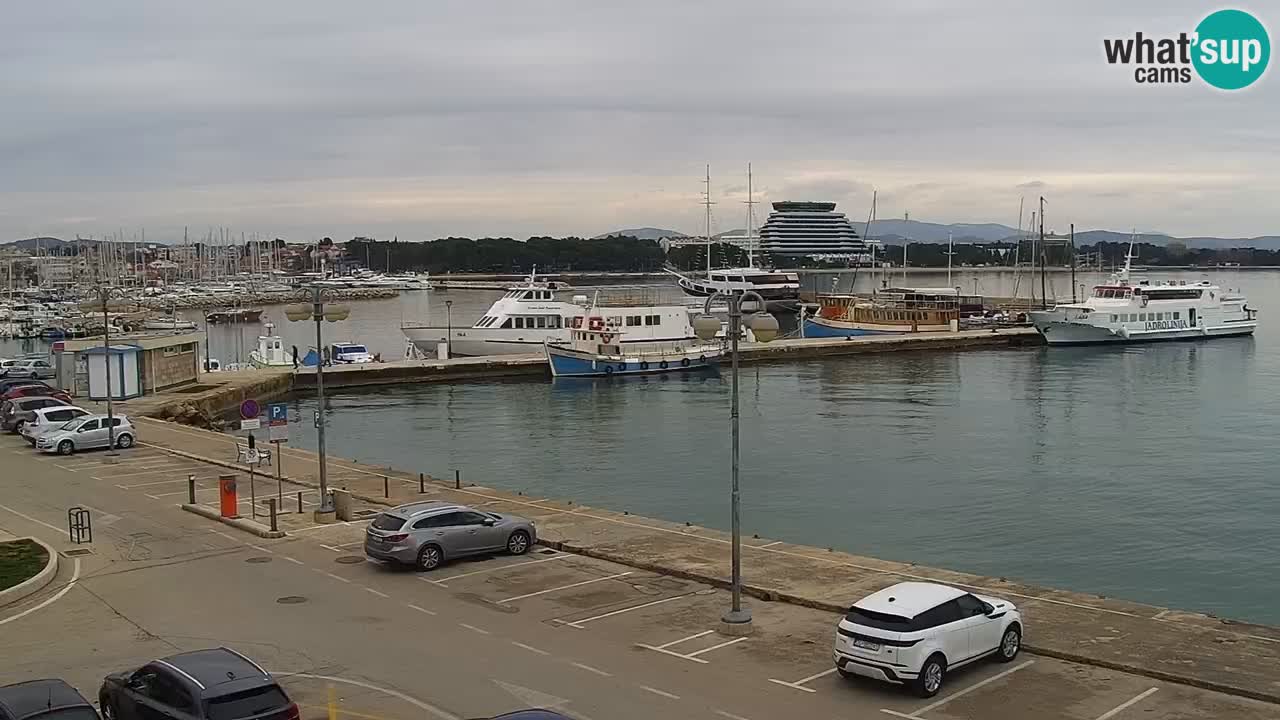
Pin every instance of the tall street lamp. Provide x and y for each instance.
(317, 309)
(448, 324)
(765, 328)
(107, 298)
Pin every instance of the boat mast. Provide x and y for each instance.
(707, 203)
(949, 254)
(1043, 296)
(906, 218)
(1034, 247)
(1073, 262)
(751, 214)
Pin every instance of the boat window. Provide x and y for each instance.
(1177, 316)
(653, 320)
(1113, 318)
(507, 324)
(718, 277)
(542, 322)
(633, 321)
(577, 321)
(519, 323)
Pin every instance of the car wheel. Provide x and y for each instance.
(108, 710)
(1010, 644)
(518, 543)
(17, 427)
(124, 441)
(429, 557)
(35, 376)
(845, 673)
(931, 675)
(66, 448)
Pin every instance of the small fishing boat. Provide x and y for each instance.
(270, 351)
(893, 311)
(168, 323)
(595, 349)
(238, 315)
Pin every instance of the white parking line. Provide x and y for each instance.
(1129, 703)
(663, 648)
(376, 592)
(482, 631)
(962, 693)
(422, 609)
(663, 693)
(775, 542)
(588, 668)
(579, 623)
(715, 647)
(330, 547)
(729, 715)
(160, 482)
(530, 648)
(295, 561)
(799, 684)
(339, 578)
(54, 528)
(564, 587)
(441, 583)
(694, 636)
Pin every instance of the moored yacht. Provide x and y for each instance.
(1123, 312)
(596, 347)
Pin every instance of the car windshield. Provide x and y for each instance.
(353, 349)
(388, 522)
(247, 704)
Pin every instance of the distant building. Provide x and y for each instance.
(739, 240)
(813, 230)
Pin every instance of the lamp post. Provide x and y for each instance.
(448, 323)
(765, 328)
(105, 294)
(301, 312)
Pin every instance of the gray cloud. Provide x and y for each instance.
(303, 119)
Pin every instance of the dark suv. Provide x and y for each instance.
(215, 684)
(44, 700)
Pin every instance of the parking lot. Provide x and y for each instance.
(668, 622)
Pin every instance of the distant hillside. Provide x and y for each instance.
(44, 243)
(644, 233)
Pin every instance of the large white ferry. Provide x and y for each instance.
(529, 315)
(1123, 312)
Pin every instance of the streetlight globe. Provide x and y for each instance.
(335, 313)
(706, 326)
(764, 326)
(298, 312)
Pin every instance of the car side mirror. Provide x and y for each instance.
(988, 609)
(489, 522)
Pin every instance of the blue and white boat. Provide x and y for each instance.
(596, 349)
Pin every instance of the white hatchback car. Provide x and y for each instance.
(914, 633)
(48, 419)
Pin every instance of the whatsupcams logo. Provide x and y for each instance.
(1229, 50)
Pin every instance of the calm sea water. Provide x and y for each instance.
(1144, 472)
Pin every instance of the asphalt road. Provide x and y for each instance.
(474, 639)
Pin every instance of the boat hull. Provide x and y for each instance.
(1056, 331)
(565, 362)
(819, 327)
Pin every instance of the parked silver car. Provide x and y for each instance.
(29, 368)
(46, 420)
(85, 433)
(428, 533)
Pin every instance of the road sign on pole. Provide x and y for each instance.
(278, 414)
(278, 433)
(250, 424)
(250, 409)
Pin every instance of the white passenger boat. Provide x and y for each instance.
(529, 315)
(596, 349)
(1124, 312)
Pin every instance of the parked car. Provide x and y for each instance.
(86, 433)
(6, 363)
(50, 699)
(915, 633)
(48, 419)
(213, 684)
(7, 383)
(34, 390)
(427, 534)
(18, 411)
(29, 367)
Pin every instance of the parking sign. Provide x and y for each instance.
(278, 414)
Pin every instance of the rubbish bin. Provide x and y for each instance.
(342, 505)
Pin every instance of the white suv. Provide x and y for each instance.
(914, 633)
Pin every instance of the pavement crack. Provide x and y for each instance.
(138, 626)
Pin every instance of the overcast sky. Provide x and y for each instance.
(521, 117)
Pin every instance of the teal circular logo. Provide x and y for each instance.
(1232, 49)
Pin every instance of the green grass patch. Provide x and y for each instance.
(20, 560)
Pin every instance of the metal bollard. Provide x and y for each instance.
(191, 489)
(271, 508)
(422, 483)
(457, 479)
(299, 502)
(386, 487)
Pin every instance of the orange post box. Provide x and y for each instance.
(227, 494)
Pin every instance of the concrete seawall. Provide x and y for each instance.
(1176, 646)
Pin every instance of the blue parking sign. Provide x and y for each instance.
(278, 414)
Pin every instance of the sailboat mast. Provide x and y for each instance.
(751, 214)
(906, 218)
(708, 205)
(1043, 290)
(950, 245)
(1073, 262)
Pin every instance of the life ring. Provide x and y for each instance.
(596, 324)
(684, 362)
(644, 364)
(663, 364)
(622, 366)
(608, 369)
